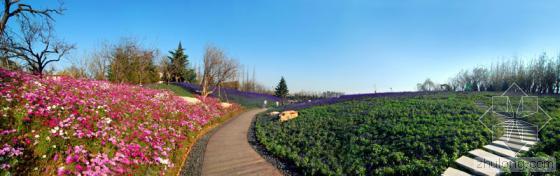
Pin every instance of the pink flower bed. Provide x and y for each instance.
(65, 126)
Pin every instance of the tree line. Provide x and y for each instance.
(129, 62)
(28, 43)
(540, 75)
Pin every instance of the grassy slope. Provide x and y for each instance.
(173, 88)
(51, 121)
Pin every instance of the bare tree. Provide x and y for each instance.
(218, 68)
(15, 8)
(98, 63)
(539, 75)
(479, 77)
(164, 69)
(6, 63)
(36, 46)
(427, 85)
(74, 71)
(130, 62)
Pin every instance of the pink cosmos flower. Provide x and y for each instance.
(101, 128)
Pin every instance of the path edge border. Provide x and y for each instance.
(192, 164)
(284, 166)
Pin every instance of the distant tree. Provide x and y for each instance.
(427, 85)
(218, 68)
(539, 75)
(557, 73)
(6, 63)
(281, 90)
(445, 87)
(98, 63)
(132, 64)
(247, 82)
(260, 88)
(164, 69)
(74, 72)
(479, 78)
(178, 66)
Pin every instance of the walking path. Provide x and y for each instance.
(519, 137)
(229, 153)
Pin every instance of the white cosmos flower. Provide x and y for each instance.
(108, 120)
(163, 161)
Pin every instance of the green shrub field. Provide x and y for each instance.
(419, 135)
(549, 136)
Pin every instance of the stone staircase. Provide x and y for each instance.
(519, 136)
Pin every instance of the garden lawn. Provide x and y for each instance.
(179, 91)
(63, 126)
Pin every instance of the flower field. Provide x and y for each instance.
(64, 126)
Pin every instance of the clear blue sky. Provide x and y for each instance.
(349, 46)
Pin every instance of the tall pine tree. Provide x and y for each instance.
(179, 66)
(281, 90)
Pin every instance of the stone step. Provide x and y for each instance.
(491, 159)
(511, 146)
(529, 132)
(519, 127)
(517, 141)
(500, 151)
(513, 133)
(521, 130)
(477, 167)
(454, 172)
(520, 134)
(526, 138)
(517, 122)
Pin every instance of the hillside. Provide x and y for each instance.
(59, 125)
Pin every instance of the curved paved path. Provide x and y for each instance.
(228, 151)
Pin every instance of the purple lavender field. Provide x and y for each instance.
(249, 99)
(342, 98)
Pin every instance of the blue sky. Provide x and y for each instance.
(350, 46)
